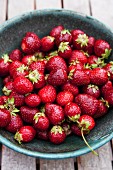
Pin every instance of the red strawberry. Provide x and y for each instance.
(56, 30)
(76, 31)
(102, 48)
(72, 111)
(88, 104)
(15, 55)
(57, 77)
(109, 68)
(37, 78)
(64, 97)
(5, 117)
(30, 43)
(42, 135)
(25, 134)
(76, 65)
(3, 100)
(40, 121)
(108, 96)
(72, 88)
(89, 48)
(77, 130)
(86, 122)
(32, 100)
(64, 50)
(7, 89)
(79, 78)
(78, 55)
(15, 124)
(20, 71)
(102, 108)
(27, 113)
(28, 59)
(92, 90)
(13, 67)
(4, 65)
(56, 62)
(64, 36)
(55, 113)
(37, 65)
(47, 43)
(22, 85)
(7, 79)
(93, 59)
(47, 94)
(67, 128)
(80, 41)
(18, 98)
(98, 76)
(57, 135)
(105, 88)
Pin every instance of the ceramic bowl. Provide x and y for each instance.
(41, 22)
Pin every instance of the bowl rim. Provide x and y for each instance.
(62, 155)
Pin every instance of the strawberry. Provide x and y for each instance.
(104, 89)
(15, 124)
(42, 135)
(56, 30)
(86, 122)
(76, 65)
(64, 97)
(37, 78)
(56, 62)
(88, 104)
(64, 50)
(16, 54)
(67, 128)
(77, 130)
(18, 98)
(102, 108)
(98, 76)
(89, 48)
(5, 117)
(57, 135)
(27, 113)
(22, 85)
(72, 111)
(40, 121)
(47, 43)
(13, 67)
(37, 65)
(57, 77)
(92, 90)
(55, 113)
(79, 78)
(4, 65)
(64, 36)
(109, 68)
(7, 79)
(102, 48)
(30, 43)
(3, 100)
(76, 31)
(32, 100)
(78, 55)
(72, 88)
(80, 41)
(28, 59)
(7, 89)
(93, 59)
(25, 134)
(47, 94)
(20, 71)
(108, 96)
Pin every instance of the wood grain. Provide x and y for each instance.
(16, 161)
(67, 164)
(3, 10)
(16, 7)
(103, 10)
(81, 6)
(92, 162)
(43, 4)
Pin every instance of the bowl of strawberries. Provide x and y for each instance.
(56, 74)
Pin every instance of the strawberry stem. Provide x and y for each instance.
(95, 153)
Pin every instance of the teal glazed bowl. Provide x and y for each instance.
(41, 22)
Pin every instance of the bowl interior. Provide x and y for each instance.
(41, 22)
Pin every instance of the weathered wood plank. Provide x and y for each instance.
(18, 7)
(103, 10)
(67, 164)
(16, 161)
(81, 6)
(92, 162)
(43, 4)
(3, 8)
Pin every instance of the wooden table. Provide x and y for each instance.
(11, 160)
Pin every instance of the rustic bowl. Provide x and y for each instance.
(41, 22)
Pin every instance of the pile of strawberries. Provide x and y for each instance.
(55, 86)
